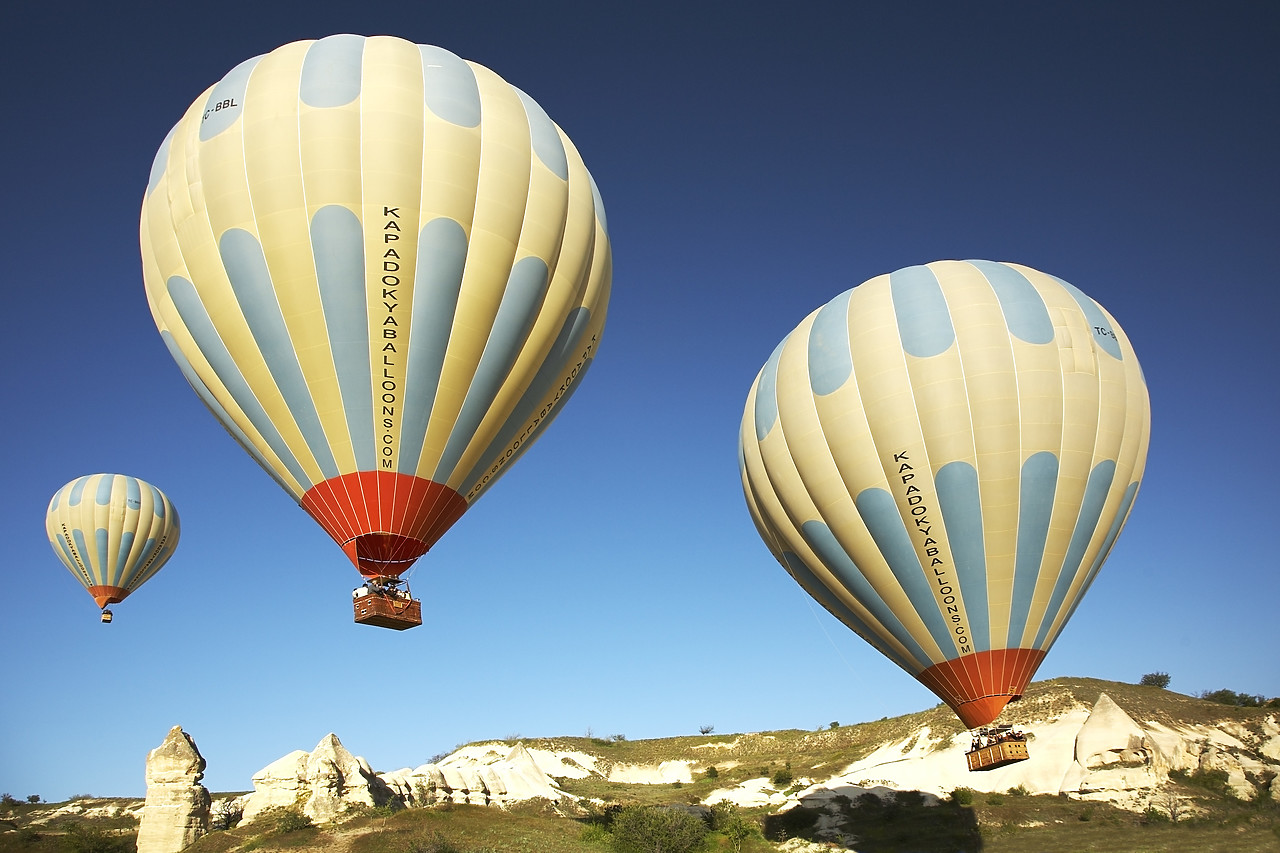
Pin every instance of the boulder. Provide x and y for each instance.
(176, 812)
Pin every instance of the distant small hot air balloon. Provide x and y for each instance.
(384, 270)
(943, 457)
(113, 532)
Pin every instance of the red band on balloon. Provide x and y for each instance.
(978, 686)
(105, 595)
(383, 520)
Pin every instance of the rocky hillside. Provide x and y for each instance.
(1143, 750)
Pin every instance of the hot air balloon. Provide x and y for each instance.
(112, 532)
(384, 270)
(943, 457)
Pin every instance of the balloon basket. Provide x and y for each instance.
(106, 617)
(997, 747)
(394, 610)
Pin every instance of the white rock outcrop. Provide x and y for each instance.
(1091, 753)
(323, 784)
(492, 775)
(176, 812)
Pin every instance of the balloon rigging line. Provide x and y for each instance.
(823, 628)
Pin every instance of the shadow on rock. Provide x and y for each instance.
(890, 822)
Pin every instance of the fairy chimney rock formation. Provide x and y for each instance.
(328, 781)
(177, 806)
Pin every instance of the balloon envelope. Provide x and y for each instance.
(383, 269)
(113, 532)
(943, 457)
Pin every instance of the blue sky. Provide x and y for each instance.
(754, 161)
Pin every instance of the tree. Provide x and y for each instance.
(657, 829)
(1155, 679)
(729, 822)
(706, 729)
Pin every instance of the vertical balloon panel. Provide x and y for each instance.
(380, 266)
(944, 456)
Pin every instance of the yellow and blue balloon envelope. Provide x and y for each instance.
(943, 457)
(113, 532)
(384, 269)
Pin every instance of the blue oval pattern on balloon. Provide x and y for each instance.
(924, 321)
(331, 71)
(830, 359)
(1025, 313)
(449, 86)
(337, 241)
(226, 101)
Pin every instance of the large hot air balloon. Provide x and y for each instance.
(943, 457)
(384, 270)
(112, 532)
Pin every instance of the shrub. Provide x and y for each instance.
(782, 778)
(657, 829)
(995, 799)
(712, 772)
(729, 822)
(1155, 679)
(282, 821)
(594, 833)
(706, 729)
(721, 813)
(909, 799)
(1211, 780)
(1018, 791)
(433, 843)
(86, 838)
(1230, 697)
(962, 796)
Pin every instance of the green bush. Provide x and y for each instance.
(1211, 780)
(282, 821)
(86, 838)
(962, 796)
(594, 833)
(657, 829)
(909, 799)
(782, 778)
(1155, 679)
(729, 822)
(994, 799)
(1018, 791)
(712, 772)
(1239, 700)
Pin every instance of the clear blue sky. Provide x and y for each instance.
(754, 162)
